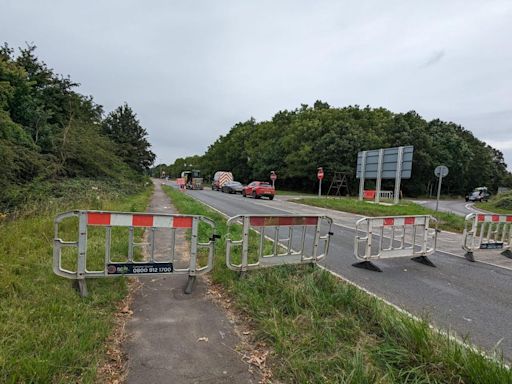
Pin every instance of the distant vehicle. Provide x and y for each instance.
(232, 187)
(479, 194)
(193, 179)
(257, 189)
(220, 178)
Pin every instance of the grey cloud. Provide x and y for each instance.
(193, 70)
(434, 58)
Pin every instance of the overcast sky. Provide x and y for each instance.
(192, 69)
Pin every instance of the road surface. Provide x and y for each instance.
(458, 207)
(472, 299)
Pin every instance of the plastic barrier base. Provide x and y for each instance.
(191, 282)
(469, 256)
(507, 253)
(423, 260)
(367, 265)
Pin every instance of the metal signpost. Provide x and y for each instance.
(385, 163)
(273, 177)
(440, 171)
(320, 176)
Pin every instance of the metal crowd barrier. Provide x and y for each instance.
(391, 237)
(386, 195)
(487, 232)
(306, 240)
(152, 222)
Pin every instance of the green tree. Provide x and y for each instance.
(122, 126)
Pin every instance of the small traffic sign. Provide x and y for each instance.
(273, 176)
(320, 176)
(441, 171)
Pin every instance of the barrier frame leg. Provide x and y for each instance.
(469, 256)
(424, 260)
(191, 282)
(367, 265)
(81, 286)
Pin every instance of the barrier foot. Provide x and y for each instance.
(190, 285)
(367, 265)
(81, 286)
(423, 260)
(469, 256)
(507, 253)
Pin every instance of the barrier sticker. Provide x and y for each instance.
(139, 268)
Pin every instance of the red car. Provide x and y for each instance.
(256, 189)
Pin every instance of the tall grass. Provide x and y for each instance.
(323, 330)
(48, 334)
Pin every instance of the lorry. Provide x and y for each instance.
(220, 178)
(193, 179)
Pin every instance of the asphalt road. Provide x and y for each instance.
(458, 207)
(471, 299)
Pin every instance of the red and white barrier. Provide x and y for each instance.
(394, 236)
(310, 245)
(115, 219)
(487, 232)
(129, 265)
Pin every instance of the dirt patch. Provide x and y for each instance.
(113, 368)
(254, 353)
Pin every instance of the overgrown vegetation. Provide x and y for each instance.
(447, 221)
(47, 333)
(498, 204)
(50, 133)
(294, 143)
(326, 331)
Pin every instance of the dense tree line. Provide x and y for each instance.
(49, 132)
(294, 143)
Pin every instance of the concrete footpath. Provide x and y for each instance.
(178, 338)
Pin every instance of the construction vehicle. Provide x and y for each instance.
(193, 179)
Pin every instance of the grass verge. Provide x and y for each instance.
(498, 204)
(48, 334)
(323, 330)
(284, 192)
(447, 221)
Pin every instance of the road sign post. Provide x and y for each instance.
(320, 176)
(273, 177)
(440, 171)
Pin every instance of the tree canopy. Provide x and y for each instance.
(122, 126)
(50, 132)
(294, 143)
